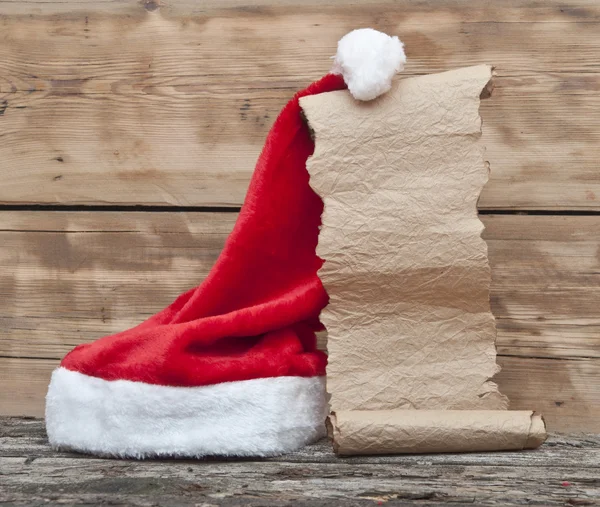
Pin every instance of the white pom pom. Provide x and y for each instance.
(368, 60)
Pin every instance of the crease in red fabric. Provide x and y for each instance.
(256, 313)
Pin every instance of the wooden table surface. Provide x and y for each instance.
(106, 106)
(565, 471)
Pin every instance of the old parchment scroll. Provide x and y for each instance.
(412, 431)
(409, 321)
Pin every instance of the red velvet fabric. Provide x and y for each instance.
(256, 313)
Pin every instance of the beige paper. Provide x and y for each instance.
(409, 321)
(421, 431)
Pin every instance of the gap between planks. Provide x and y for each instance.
(236, 209)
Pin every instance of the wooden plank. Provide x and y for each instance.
(81, 481)
(433, 11)
(545, 284)
(24, 383)
(71, 277)
(76, 276)
(136, 103)
(565, 391)
(561, 472)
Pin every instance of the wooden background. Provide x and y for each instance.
(129, 131)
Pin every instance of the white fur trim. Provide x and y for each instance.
(261, 417)
(368, 60)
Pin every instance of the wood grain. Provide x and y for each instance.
(71, 277)
(76, 276)
(141, 103)
(545, 284)
(564, 471)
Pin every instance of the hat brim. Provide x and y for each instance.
(259, 417)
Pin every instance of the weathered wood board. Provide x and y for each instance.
(168, 104)
(564, 471)
(71, 277)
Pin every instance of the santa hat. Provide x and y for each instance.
(230, 367)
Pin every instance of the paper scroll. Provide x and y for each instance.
(420, 431)
(409, 321)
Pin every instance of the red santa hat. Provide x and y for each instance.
(231, 366)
